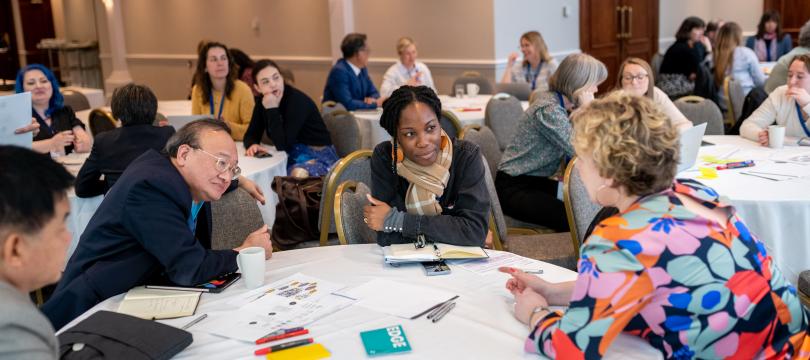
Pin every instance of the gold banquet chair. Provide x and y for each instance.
(578, 206)
(355, 166)
(350, 198)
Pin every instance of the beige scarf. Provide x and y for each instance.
(427, 183)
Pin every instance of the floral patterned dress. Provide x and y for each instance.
(682, 282)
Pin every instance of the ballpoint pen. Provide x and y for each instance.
(444, 312)
(195, 321)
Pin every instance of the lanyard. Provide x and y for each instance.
(221, 104)
(562, 102)
(43, 123)
(801, 120)
(195, 210)
(532, 78)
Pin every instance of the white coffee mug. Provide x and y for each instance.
(776, 136)
(251, 264)
(473, 89)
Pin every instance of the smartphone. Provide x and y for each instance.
(262, 155)
(436, 268)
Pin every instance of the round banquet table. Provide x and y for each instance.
(778, 212)
(480, 327)
(260, 171)
(469, 110)
(165, 107)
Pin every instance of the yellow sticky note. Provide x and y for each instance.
(708, 173)
(307, 352)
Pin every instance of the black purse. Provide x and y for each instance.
(110, 335)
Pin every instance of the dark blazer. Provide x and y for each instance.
(296, 120)
(465, 202)
(62, 119)
(139, 234)
(113, 151)
(349, 89)
(783, 46)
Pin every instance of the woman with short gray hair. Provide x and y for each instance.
(540, 148)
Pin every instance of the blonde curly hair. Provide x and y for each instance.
(632, 142)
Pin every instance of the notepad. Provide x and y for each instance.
(159, 304)
(405, 253)
(306, 352)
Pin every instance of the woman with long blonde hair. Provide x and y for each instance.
(537, 65)
(734, 60)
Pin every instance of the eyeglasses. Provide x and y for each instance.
(630, 77)
(222, 165)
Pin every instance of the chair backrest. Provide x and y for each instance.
(350, 198)
(484, 86)
(450, 124)
(235, 215)
(502, 115)
(329, 106)
(579, 208)
(497, 222)
(487, 142)
(735, 97)
(699, 110)
(655, 63)
(100, 121)
(355, 166)
(519, 90)
(344, 131)
(76, 100)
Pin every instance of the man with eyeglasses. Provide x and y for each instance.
(155, 224)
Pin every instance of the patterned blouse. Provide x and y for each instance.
(541, 142)
(685, 284)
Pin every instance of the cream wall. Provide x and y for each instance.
(744, 12)
(453, 35)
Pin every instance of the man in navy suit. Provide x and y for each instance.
(135, 106)
(348, 81)
(155, 224)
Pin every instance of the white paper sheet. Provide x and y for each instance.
(294, 301)
(496, 260)
(395, 298)
(15, 113)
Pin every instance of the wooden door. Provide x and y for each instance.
(641, 39)
(612, 30)
(794, 14)
(599, 31)
(37, 24)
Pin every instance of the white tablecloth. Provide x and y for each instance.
(469, 110)
(778, 212)
(480, 327)
(95, 97)
(260, 171)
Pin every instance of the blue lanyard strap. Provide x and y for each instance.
(532, 77)
(562, 101)
(801, 120)
(221, 104)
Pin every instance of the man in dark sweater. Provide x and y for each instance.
(155, 224)
(135, 106)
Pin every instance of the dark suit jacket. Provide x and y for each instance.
(349, 89)
(139, 234)
(114, 151)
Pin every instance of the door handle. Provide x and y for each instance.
(629, 20)
(620, 21)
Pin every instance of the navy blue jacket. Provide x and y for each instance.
(139, 234)
(348, 89)
(113, 151)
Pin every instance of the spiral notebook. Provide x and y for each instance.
(406, 253)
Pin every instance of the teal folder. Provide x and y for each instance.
(389, 340)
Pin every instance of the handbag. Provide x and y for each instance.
(110, 335)
(299, 200)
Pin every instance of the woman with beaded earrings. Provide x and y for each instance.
(425, 187)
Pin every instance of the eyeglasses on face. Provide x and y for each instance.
(222, 165)
(631, 77)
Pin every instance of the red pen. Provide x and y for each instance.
(267, 339)
(284, 346)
